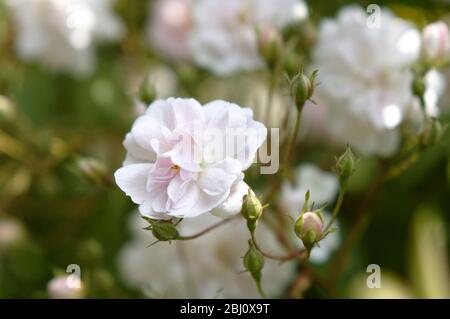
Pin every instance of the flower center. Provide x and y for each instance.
(175, 168)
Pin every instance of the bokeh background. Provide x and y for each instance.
(61, 133)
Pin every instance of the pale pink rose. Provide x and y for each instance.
(436, 42)
(179, 164)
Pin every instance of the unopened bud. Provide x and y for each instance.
(436, 43)
(251, 210)
(419, 86)
(308, 228)
(345, 166)
(253, 261)
(291, 62)
(270, 45)
(163, 230)
(147, 92)
(302, 87)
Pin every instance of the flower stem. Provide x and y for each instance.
(292, 141)
(337, 208)
(260, 290)
(207, 230)
(291, 255)
(273, 81)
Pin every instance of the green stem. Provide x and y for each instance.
(293, 140)
(260, 290)
(273, 81)
(207, 230)
(290, 256)
(336, 210)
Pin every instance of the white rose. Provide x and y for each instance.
(179, 164)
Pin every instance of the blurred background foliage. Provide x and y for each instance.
(61, 140)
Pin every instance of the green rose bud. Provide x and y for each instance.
(419, 86)
(302, 87)
(345, 166)
(163, 230)
(147, 92)
(253, 261)
(251, 210)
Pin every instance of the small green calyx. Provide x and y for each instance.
(163, 230)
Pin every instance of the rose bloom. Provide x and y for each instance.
(224, 37)
(62, 34)
(177, 164)
(366, 85)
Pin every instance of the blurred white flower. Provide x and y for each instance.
(323, 187)
(436, 42)
(366, 85)
(180, 163)
(224, 38)
(62, 34)
(168, 28)
(65, 287)
(206, 267)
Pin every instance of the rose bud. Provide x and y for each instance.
(251, 210)
(345, 166)
(308, 228)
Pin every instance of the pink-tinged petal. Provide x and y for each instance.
(163, 171)
(159, 201)
(136, 153)
(222, 114)
(162, 111)
(187, 112)
(256, 134)
(195, 202)
(233, 204)
(185, 204)
(176, 189)
(144, 130)
(205, 203)
(187, 154)
(145, 209)
(217, 179)
(132, 179)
